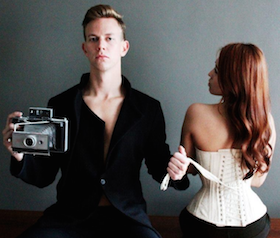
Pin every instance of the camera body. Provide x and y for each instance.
(40, 133)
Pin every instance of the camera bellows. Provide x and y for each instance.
(46, 129)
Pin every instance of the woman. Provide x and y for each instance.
(234, 140)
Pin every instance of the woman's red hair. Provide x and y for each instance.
(243, 78)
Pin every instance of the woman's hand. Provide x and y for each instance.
(178, 164)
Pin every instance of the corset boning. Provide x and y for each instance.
(235, 204)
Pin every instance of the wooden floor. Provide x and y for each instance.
(12, 223)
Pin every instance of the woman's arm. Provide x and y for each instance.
(187, 136)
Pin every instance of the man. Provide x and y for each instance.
(113, 127)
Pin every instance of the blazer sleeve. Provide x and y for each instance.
(39, 171)
(158, 153)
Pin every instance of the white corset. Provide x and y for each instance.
(235, 204)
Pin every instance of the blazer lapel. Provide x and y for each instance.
(78, 100)
(129, 116)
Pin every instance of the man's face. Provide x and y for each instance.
(104, 45)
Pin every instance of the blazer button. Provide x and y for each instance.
(102, 181)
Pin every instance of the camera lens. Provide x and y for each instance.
(30, 141)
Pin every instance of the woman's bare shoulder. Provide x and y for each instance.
(200, 109)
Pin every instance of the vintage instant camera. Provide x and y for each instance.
(40, 133)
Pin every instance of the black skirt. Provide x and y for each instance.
(194, 227)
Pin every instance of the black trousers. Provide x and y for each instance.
(194, 227)
(104, 223)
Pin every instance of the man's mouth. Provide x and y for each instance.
(102, 57)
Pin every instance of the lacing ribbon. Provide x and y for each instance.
(207, 174)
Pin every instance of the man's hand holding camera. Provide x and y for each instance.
(7, 135)
(37, 134)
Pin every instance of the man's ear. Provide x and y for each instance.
(125, 48)
(84, 48)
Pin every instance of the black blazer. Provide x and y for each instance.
(139, 134)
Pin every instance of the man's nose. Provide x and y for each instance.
(101, 44)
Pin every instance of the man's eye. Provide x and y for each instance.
(93, 39)
(109, 38)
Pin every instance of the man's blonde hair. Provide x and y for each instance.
(103, 11)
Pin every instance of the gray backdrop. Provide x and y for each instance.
(173, 47)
